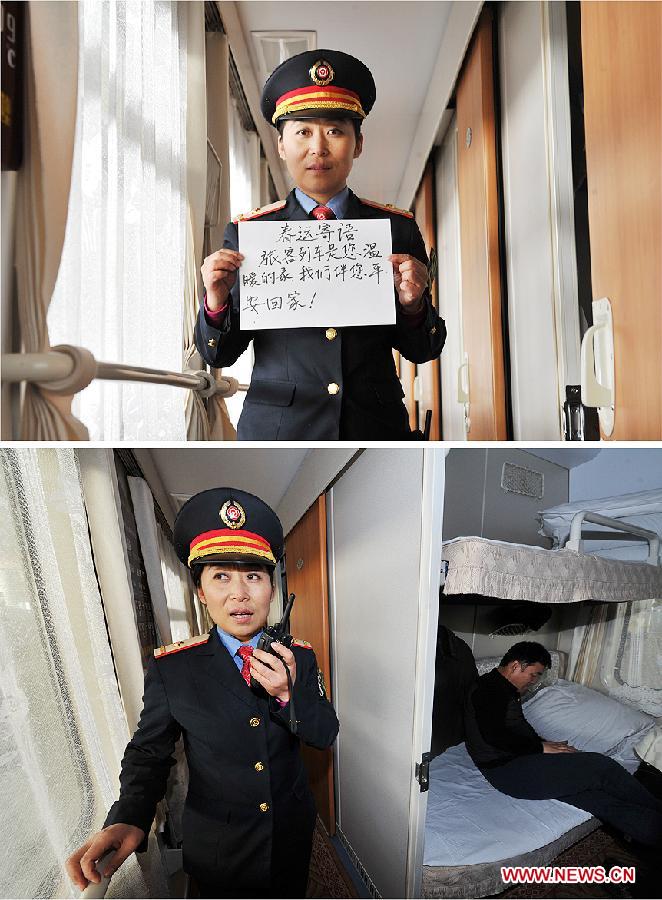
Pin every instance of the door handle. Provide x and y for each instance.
(597, 365)
(462, 392)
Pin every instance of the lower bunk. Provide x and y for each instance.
(472, 830)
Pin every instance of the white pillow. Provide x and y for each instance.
(587, 719)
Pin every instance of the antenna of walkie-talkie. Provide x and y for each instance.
(285, 621)
(285, 627)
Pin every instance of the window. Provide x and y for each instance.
(120, 289)
(63, 725)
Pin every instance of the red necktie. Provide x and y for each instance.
(323, 212)
(246, 651)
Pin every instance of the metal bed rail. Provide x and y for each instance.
(576, 542)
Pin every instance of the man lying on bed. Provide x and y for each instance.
(517, 762)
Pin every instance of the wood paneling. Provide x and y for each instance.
(479, 221)
(307, 577)
(429, 373)
(621, 55)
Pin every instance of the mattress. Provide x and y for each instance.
(485, 879)
(522, 572)
(460, 794)
(465, 840)
(465, 859)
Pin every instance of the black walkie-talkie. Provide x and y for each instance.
(279, 633)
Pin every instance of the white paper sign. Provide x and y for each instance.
(313, 274)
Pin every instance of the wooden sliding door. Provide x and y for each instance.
(622, 63)
(305, 547)
(479, 229)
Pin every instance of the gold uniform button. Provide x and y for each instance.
(254, 722)
(259, 767)
(331, 334)
(433, 330)
(264, 807)
(333, 388)
(211, 343)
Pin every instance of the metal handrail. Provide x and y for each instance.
(574, 540)
(62, 372)
(98, 891)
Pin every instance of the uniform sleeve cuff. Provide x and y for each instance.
(415, 319)
(214, 316)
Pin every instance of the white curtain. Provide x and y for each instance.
(632, 669)
(620, 653)
(120, 289)
(244, 196)
(244, 165)
(204, 419)
(42, 198)
(185, 618)
(167, 578)
(617, 647)
(63, 725)
(113, 569)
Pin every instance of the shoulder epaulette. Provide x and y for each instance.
(297, 642)
(388, 207)
(261, 211)
(181, 645)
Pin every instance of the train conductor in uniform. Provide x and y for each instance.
(322, 383)
(249, 814)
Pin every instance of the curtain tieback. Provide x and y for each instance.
(82, 374)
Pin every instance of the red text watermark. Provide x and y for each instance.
(568, 875)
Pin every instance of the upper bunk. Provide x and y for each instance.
(569, 573)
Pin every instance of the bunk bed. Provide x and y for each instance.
(467, 836)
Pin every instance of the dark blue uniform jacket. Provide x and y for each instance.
(289, 397)
(248, 790)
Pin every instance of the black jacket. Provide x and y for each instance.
(455, 674)
(241, 757)
(495, 725)
(288, 397)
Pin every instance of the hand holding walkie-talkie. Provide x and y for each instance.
(279, 634)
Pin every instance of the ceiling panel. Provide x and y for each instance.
(267, 473)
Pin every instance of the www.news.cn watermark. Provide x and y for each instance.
(568, 875)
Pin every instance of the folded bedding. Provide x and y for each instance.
(470, 822)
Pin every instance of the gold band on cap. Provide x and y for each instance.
(228, 543)
(318, 98)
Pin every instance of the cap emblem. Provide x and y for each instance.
(321, 72)
(232, 514)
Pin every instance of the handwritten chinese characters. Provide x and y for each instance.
(310, 274)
